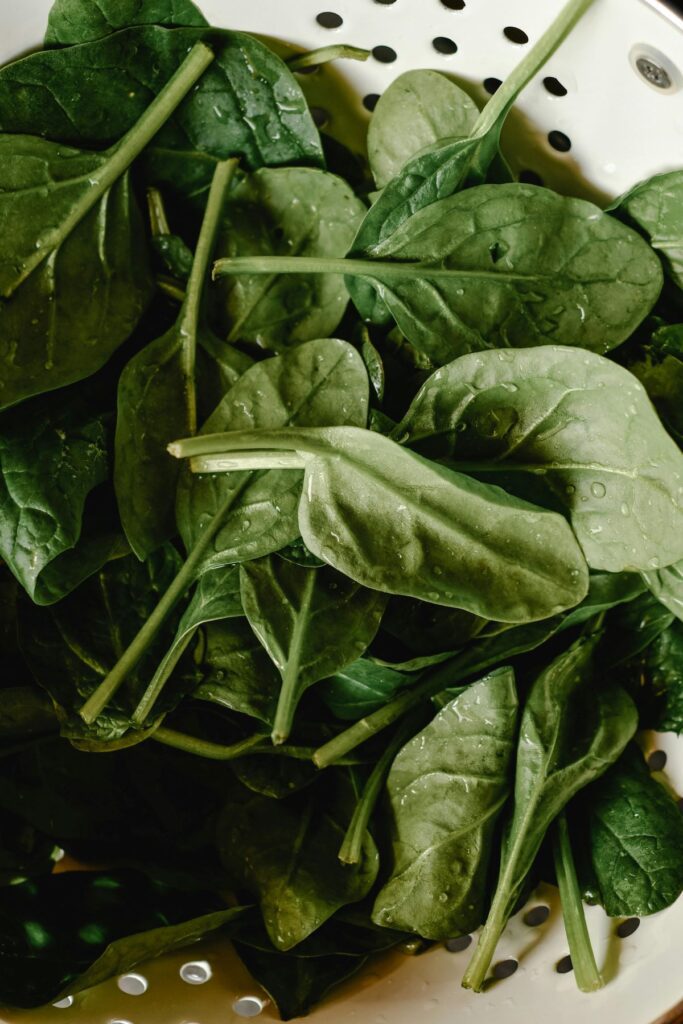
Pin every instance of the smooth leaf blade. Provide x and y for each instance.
(80, 21)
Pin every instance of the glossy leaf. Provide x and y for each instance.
(80, 21)
(312, 622)
(361, 687)
(296, 875)
(659, 681)
(418, 109)
(581, 421)
(636, 839)
(570, 733)
(287, 211)
(319, 383)
(655, 207)
(446, 788)
(237, 672)
(667, 586)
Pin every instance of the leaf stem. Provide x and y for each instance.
(247, 460)
(160, 678)
(586, 971)
(290, 691)
(390, 269)
(188, 320)
(325, 54)
(352, 846)
(99, 699)
(158, 221)
(204, 748)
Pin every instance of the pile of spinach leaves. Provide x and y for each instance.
(362, 562)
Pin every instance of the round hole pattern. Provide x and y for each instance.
(133, 984)
(657, 760)
(442, 44)
(529, 177)
(370, 101)
(564, 965)
(515, 35)
(536, 916)
(457, 945)
(196, 973)
(65, 1003)
(628, 927)
(492, 85)
(453, 5)
(554, 86)
(653, 73)
(329, 19)
(248, 1006)
(385, 3)
(559, 141)
(320, 116)
(505, 968)
(384, 54)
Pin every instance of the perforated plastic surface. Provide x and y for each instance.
(620, 127)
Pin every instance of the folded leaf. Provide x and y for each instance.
(655, 207)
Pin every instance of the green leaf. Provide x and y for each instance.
(312, 622)
(446, 789)
(296, 875)
(426, 629)
(606, 590)
(660, 681)
(274, 777)
(25, 711)
(655, 207)
(659, 369)
(362, 687)
(395, 522)
(286, 211)
(632, 627)
(418, 109)
(582, 422)
(80, 21)
(71, 646)
(667, 586)
(237, 672)
(157, 400)
(570, 733)
(511, 265)
(636, 839)
(319, 383)
(93, 93)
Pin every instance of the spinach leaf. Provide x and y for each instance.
(636, 839)
(450, 163)
(286, 211)
(361, 687)
(312, 622)
(440, 536)
(581, 421)
(631, 628)
(25, 711)
(427, 629)
(72, 229)
(236, 671)
(446, 789)
(296, 875)
(655, 207)
(570, 733)
(659, 687)
(319, 383)
(606, 590)
(157, 400)
(53, 455)
(667, 586)
(71, 646)
(274, 777)
(115, 921)
(418, 109)
(659, 368)
(247, 105)
(80, 21)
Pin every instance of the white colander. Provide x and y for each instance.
(605, 112)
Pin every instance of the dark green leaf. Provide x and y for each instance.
(446, 789)
(362, 687)
(237, 672)
(659, 369)
(659, 691)
(25, 711)
(79, 21)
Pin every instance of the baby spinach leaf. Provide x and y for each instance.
(427, 629)
(274, 777)
(71, 646)
(237, 672)
(632, 627)
(655, 207)
(361, 687)
(659, 690)
(439, 536)
(446, 789)
(248, 105)
(72, 229)
(570, 734)
(418, 109)
(659, 368)
(636, 839)
(319, 383)
(297, 876)
(667, 586)
(312, 622)
(450, 163)
(157, 400)
(606, 590)
(581, 421)
(291, 211)
(80, 21)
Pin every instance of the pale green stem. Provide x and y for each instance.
(171, 288)
(387, 269)
(203, 748)
(188, 320)
(120, 157)
(135, 650)
(339, 51)
(160, 678)
(586, 971)
(158, 221)
(246, 460)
